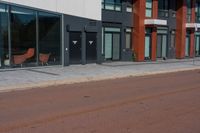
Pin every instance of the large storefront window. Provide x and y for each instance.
(112, 5)
(4, 48)
(149, 5)
(49, 39)
(23, 37)
(29, 38)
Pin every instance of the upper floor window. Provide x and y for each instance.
(149, 5)
(197, 12)
(163, 8)
(189, 10)
(112, 5)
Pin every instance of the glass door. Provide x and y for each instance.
(164, 46)
(187, 46)
(148, 47)
(108, 45)
(111, 43)
(116, 46)
(159, 46)
(197, 46)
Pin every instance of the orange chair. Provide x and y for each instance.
(44, 58)
(30, 53)
(19, 59)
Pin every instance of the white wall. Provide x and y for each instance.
(83, 8)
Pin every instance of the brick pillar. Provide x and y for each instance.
(154, 31)
(193, 10)
(155, 9)
(192, 43)
(139, 30)
(192, 35)
(180, 29)
(153, 43)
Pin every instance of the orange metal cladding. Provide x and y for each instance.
(192, 36)
(139, 29)
(180, 29)
(154, 31)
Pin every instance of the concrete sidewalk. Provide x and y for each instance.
(19, 79)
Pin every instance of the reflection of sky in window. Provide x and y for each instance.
(2, 8)
(23, 15)
(47, 14)
(110, 1)
(113, 1)
(3, 18)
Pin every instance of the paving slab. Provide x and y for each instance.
(20, 79)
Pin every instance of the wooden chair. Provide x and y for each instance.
(44, 58)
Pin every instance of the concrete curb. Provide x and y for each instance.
(86, 79)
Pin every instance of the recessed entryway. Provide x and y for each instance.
(111, 45)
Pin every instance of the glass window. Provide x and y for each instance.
(162, 30)
(4, 48)
(163, 4)
(112, 5)
(128, 38)
(148, 8)
(163, 8)
(102, 47)
(49, 38)
(197, 12)
(129, 9)
(189, 10)
(109, 29)
(23, 37)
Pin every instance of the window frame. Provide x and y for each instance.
(149, 8)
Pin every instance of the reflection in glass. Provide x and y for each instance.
(4, 54)
(49, 39)
(23, 37)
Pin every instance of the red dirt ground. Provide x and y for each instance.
(166, 103)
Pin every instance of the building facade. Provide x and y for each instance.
(64, 32)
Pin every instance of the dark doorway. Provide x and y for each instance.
(91, 47)
(75, 48)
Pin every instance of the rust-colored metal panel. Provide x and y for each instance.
(192, 36)
(155, 9)
(153, 44)
(181, 29)
(192, 43)
(193, 10)
(139, 29)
